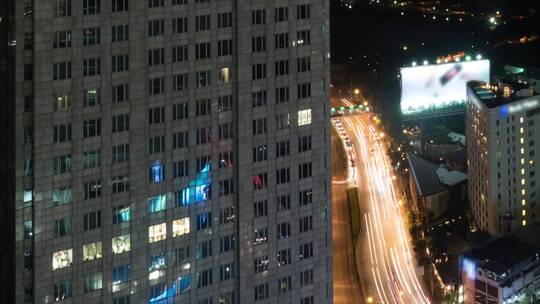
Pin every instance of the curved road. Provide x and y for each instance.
(386, 265)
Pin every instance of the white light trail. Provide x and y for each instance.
(393, 274)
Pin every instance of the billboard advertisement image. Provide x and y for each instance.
(432, 87)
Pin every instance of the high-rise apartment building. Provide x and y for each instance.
(170, 151)
(503, 143)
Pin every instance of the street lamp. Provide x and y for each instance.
(356, 91)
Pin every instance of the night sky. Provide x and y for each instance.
(374, 36)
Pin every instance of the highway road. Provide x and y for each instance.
(387, 268)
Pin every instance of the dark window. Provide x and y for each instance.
(92, 220)
(202, 23)
(258, 17)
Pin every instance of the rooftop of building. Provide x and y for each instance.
(431, 178)
(501, 254)
(454, 158)
(501, 92)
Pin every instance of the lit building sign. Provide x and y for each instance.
(431, 87)
(506, 110)
(469, 267)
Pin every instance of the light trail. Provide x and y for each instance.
(393, 277)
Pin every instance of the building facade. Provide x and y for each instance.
(502, 155)
(502, 270)
(172, 151)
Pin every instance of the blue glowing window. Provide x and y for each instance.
(161, 294)
(194, 194)
(124, 215)
(202, 192)
(158, 292)
(183, 284)
(157, 203)
(157, 172)
(469, 267)
(121, 214)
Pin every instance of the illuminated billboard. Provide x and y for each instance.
(432, 87)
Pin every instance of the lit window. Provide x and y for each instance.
(121, 214)
(62, 258)
(93, 282)
(180, 227)
(27, 197)
(524, 222)
(62, 196)
(157, 172)
(92, 251)
(157, 203)
(157, 266)
(194, 194)
(157, 232)
(304, 117)
(523, 202)
(28, 231)
(121, 243)
(225, 75)
(523, 212)
(521, 130)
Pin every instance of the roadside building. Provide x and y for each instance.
(433, 186)
(502, 270)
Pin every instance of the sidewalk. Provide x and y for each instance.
(346, 288)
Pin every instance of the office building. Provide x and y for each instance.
(503, 143)
(170, 151)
